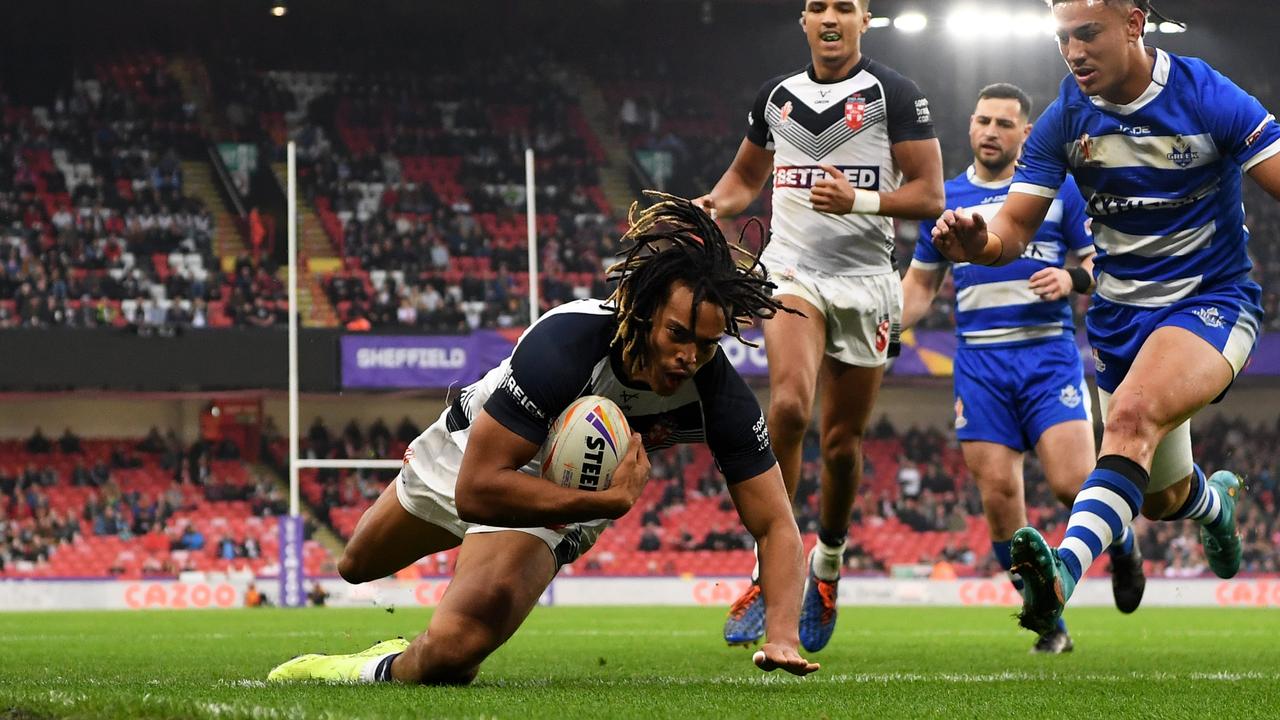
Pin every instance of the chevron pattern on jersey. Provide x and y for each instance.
(817, 134)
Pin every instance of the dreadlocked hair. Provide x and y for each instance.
(675, 241)
(1152, 13)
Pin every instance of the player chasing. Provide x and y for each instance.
(1019, 382)
(1157, 144)
(851, 145)
(471, 479)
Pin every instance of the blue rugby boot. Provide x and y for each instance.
(745, 624)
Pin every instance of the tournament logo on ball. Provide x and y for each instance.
(601, 423)
(854, 109)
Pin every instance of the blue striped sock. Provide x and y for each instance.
(1005, 558)
(1123, 546)
(1105, 506)
(1203, 504)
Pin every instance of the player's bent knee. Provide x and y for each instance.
(842, 456)
(1131, 416)
(1003, 508)
(1066, 490)
(788, 415)
(351, 569)
(455, 654)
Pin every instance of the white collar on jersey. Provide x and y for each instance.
(972, 175)
(1159, 78)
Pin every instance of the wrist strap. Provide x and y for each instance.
(866, 202)
(1081, 280)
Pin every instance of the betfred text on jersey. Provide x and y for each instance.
(861, 177)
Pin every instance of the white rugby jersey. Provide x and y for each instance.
(850, 123)
(566, 355)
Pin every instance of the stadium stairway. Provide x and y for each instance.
(198, 182)
(192, 75)
(313, 239)
(317, 255)
(314, 307)
(322, 534)
(615, 171)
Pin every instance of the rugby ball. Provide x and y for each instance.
(586, 444)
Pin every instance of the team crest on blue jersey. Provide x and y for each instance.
(1182, 154)
(1086, 146)
(1070, 396)
(1210, 317)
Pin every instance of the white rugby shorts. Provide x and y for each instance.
(863, 312)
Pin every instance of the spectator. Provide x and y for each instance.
(38, 444)
(649, 541)
(317, 595)
(909, 480)
(227, 549)
(69, 443)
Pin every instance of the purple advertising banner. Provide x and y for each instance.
(420, 361)
(292, 592)
(439, 361)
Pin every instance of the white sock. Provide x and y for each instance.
(828, 559)
(755, 571)
(368, 672)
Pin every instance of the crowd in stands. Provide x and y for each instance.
(420, 182)
(918, 506)
(96, 229)
(418, 178)
(147, 494)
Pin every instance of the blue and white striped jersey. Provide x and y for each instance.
(995, 305)
(1160, 175)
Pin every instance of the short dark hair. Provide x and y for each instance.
(1008, 91)
(674, 241)
(1153, 15)
(866, 4)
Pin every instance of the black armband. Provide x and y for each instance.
(1081, 280)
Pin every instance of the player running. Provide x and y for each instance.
(472, 477)
(851, 145)
(1157, 144)
(1019, 382)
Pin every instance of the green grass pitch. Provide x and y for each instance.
(650, 662)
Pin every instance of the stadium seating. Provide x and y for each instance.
(122, 554)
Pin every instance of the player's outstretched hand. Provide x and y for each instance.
(832, 194)
(707, 203)
(776, 656)
(1051, 283)
(960, 236)
(630, 477)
